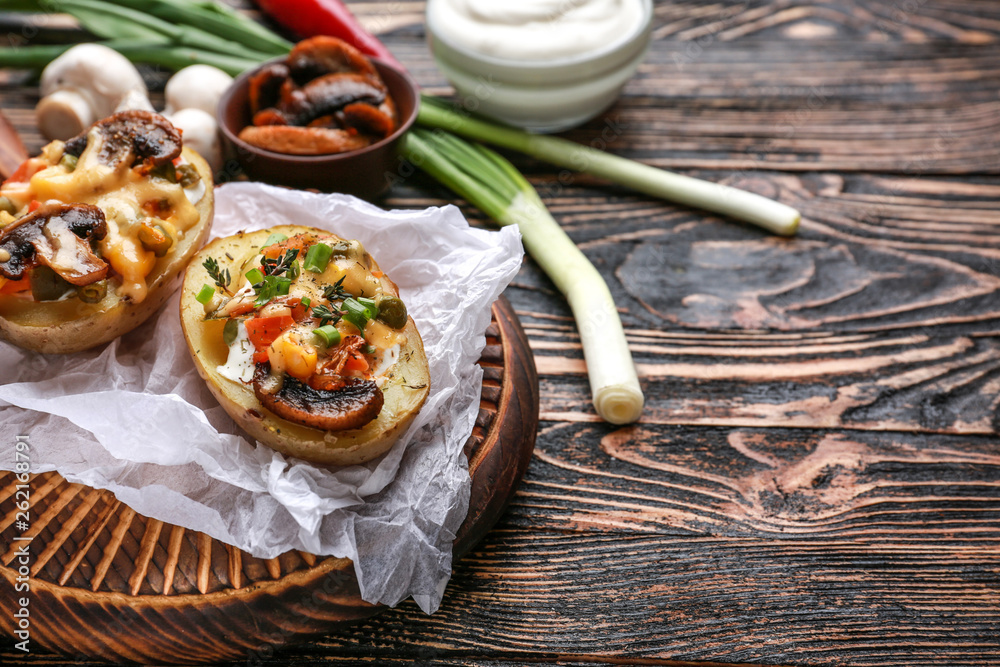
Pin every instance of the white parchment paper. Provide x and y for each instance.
(133, 416)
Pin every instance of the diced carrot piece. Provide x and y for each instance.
(14, 286)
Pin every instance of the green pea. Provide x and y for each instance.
(94, 292)
(155, 238)
(187, 175)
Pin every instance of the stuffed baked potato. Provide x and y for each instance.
(305, 343)
(95, 231)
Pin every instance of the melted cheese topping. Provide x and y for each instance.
(295, 351)
(121, 193)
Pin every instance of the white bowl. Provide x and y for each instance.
(541, 96)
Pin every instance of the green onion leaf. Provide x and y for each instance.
(274, 238)
(281, 284)
(305, 302)
(255, 276)
(328, 334)
(317, 258)
(739, 204)
(205, 295)
(358, 313)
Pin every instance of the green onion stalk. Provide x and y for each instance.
(492, 184)
(739, 204)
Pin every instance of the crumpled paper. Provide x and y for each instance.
(133, 416)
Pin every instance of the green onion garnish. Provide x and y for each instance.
(317, 258)
(205, 295)
(281, 285)
(369, 349)
(306, 302)
(358, 312)
(274, 238)
(255, 276)
(328, 334)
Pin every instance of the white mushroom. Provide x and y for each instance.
(200, 133)
(192, 96)
(196, 87)
(82, 86)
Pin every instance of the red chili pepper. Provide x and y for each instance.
(309, 18)
(262, 331)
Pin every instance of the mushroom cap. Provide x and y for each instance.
(196, 87)
(97, 73)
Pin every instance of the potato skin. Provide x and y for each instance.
(405, 390)
(114, 316)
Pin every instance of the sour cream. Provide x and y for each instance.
(533, 30)
(544, 65)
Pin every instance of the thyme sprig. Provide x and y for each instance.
(336, 291)
(221, 277)
(326, 315)
(280, 265)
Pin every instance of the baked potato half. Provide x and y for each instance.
(305, 343)
(95, 232)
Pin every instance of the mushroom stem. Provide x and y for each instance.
(64, 114)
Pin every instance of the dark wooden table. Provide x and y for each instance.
(816, 478)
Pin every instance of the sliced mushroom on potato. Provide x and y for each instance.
(352, 405)
(57, 236)
(131, 137)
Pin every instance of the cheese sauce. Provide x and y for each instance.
(295, 351)
(121, 194)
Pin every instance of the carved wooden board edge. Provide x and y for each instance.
(111, 584)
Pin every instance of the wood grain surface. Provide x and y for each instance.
(816, 479)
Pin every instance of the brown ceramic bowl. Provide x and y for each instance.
(365, 173)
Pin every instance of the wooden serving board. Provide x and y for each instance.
(111, 584)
